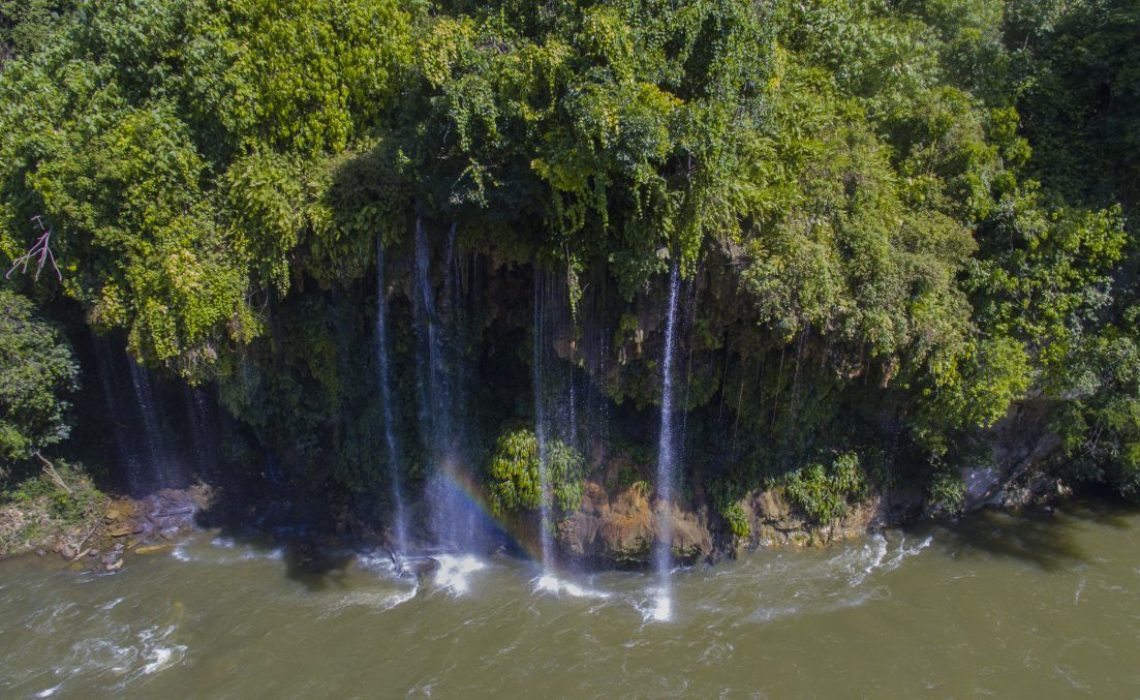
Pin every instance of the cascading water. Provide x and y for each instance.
(203, 430)
(666, 464)
(152, 424)
(453, 518)
(136, 478)
(400, 526)
(540, 431)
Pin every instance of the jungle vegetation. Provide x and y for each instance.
(897, 221)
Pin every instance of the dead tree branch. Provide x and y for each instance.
(40, 253)
(52, 474)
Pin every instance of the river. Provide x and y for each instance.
(1044, 605)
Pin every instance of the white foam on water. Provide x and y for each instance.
(873, 557)
(862, 562)
(45, 620)
(157, 652)
(229, 552)
(659, 608)
(160, 658)
(48, 692)
(110, 605)
(454, 571)
(123, 654)
(384, 564)
(549, 583)
(370, 599)
(905, 552)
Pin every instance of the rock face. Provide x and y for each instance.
(620, 528)
(774, 522)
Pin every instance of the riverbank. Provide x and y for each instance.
(65, 515)
(613, 528)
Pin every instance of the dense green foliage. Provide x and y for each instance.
(895, 219)
(822, 493)
(37, 371)
(513, 474)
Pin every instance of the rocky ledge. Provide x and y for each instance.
(618, 528)
(132, 527)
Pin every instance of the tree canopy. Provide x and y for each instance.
(922, 209)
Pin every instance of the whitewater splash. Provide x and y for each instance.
(549, 583)
(120, 653)
(658, 607)
(849, 579)
(872, 557)
(454, 572)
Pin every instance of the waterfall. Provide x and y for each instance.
(540, 431)
(666, 464)
(116, 413)
(454, 519)
(203, 430)
(160, 457)
(382, 351)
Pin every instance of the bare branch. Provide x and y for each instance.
(49, 469)
(40, 253)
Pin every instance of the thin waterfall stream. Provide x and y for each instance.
(400, 518)
(666, 465)
(540, 431)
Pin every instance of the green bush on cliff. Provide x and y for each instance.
(822, 493)
(947, 490)
(513, 475)
(737, 521)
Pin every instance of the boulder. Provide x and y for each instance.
(622, 527)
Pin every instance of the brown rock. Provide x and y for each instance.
(623, 527)
(150, 549)
(124, 529)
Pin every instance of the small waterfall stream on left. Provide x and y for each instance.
(137, 421)
(400, 518)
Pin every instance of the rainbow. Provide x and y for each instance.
(514, 529)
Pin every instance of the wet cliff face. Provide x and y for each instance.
(303, 419)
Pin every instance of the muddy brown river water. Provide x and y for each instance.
(1036, 606)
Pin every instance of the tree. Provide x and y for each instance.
(37, 371)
